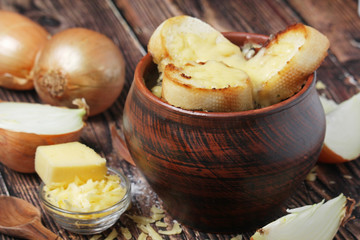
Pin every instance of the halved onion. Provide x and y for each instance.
(25, 126)
(20, 41)
(80, 63)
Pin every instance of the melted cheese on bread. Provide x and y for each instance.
(208, 86)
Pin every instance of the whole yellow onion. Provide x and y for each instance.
(20, 41)
(80, 63)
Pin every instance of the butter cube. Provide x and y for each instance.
(62, 163)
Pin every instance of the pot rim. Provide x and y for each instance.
(146, 61)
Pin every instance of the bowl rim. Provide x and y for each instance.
(109, 209)
(146, 61)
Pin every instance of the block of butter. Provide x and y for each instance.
(62, 163)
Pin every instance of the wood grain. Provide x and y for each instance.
(130, 24)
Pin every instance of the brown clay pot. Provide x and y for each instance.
(223, 172)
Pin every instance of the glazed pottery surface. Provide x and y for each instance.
(223, 172)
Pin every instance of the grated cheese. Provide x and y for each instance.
(140, 219)
(237, 237)
(143, 223)
(161, 224)
(175, 230)
(158, 216)
(155, 210)
(320, 85)
(157, 213)
(142, 236)
(152, 233)
(86, 196)
(126, 233)
(311, 177)
(143, 228)
(112, 235)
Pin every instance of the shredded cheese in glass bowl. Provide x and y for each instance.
(87, 207)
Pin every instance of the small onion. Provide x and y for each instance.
(20, 41)
(25, 126)
(80, 63)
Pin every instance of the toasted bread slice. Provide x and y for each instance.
(207, 86)
(183, 39)
(280, 69)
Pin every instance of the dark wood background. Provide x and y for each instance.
(130, 23)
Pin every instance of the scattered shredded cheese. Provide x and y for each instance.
(140, 219)
(155, 210)
(320, 85)
(237, 237)
(152, 233)
(143, 228)
(311, 177)
(143, 223)
(158, 216)
(112, 235)
(157, 213)
(142, 236)
(126, 233)
(175, 230)
(161, 224)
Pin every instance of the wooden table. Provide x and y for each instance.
(130, 23)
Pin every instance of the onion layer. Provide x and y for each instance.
(25, 126)
(319, 221)
(20, 41)
(80, 63)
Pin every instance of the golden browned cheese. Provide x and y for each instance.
(280, 69)
(184, 39)
(208, 86)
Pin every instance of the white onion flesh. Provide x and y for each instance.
(343, 129)
(39, 118)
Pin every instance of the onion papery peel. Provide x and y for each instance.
(319, 221)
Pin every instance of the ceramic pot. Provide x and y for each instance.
(222, 171)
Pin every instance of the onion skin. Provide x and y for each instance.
(80, 63)
(20, 41)
(17, 149)
(329, 156)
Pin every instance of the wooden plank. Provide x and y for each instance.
(340, 22)
(265, 17)
(247, 16)
(344, 33)
(130, 24)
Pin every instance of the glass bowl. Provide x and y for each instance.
(87, 223)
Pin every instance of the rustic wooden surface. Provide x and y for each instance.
(130, 23)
